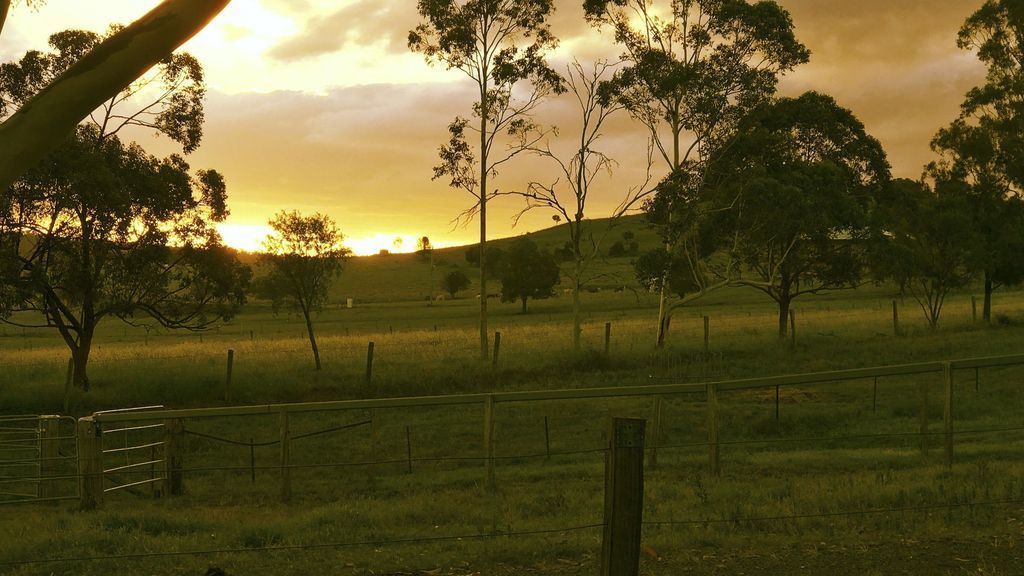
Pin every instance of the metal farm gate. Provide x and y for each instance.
(38, 459)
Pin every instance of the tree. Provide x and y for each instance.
(102, 229)
(982, 151)
(99, 215)
(493, 262)
(303, 254)
(923, 242)
(500, 45)
(970, 166)
(527, 273)
(567, 196)
(695, 68)
(51, 115)
(425, 250)
(800, 180)
(454, 282)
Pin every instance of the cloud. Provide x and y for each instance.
(362, 23)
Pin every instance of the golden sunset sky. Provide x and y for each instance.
(318, 105)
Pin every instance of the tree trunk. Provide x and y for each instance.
(986, 311)
(784, 304)
(312, 338)
(50, 116)
(576, 321)
(484, 348)
(5, 6)
(80, 359)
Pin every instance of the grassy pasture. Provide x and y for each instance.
(703, 525)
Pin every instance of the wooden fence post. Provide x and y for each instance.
(659, 403)
(286, 456)
(369, 362)
(49, 453)
(607, 338)
(922, 414)
(489, 440)
(547, 439)
(408, 450)
(90, 464)
(174, 456)
(286, 449)
(714, 462)
(874, 395)
(947, 413)
(497, 349)
(227, 380)
(895, 319)
(623, 498)
(707, 335)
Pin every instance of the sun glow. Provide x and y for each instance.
(247, 237)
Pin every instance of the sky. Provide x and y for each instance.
(318, 105)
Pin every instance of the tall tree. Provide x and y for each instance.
(695, 68)
(970, 166)
(51, 115)
(304, 255)
(801, 178)
(501, 46)
(528, 272)
(577, 172)
(101, 229)
(97, 205)
(982, 151)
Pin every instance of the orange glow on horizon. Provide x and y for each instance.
(249, 238)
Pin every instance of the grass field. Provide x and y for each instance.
(816, 491)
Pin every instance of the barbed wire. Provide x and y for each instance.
(870, 511)
(296, 547)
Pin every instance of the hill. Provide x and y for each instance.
(406, 277)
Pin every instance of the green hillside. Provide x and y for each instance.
(406, 277)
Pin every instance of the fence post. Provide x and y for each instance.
(90, 463)
(408, 450)
(922, 414)
(974, 309)
(369, 362)
(607, 338)
(714, 463)
(49, 452)
(174, 455)
(286, 473)
(227, 380)
(497, 349)
(547, 439)
(874, 395)
(895, 319)
(489, 439)
(623, 498)
(656, 430)
(947, 413)
(707, 335)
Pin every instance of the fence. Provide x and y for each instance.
(37, 459)
(102, 437)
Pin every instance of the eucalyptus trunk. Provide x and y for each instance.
(312, 337)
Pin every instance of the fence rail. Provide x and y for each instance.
(567, 394)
